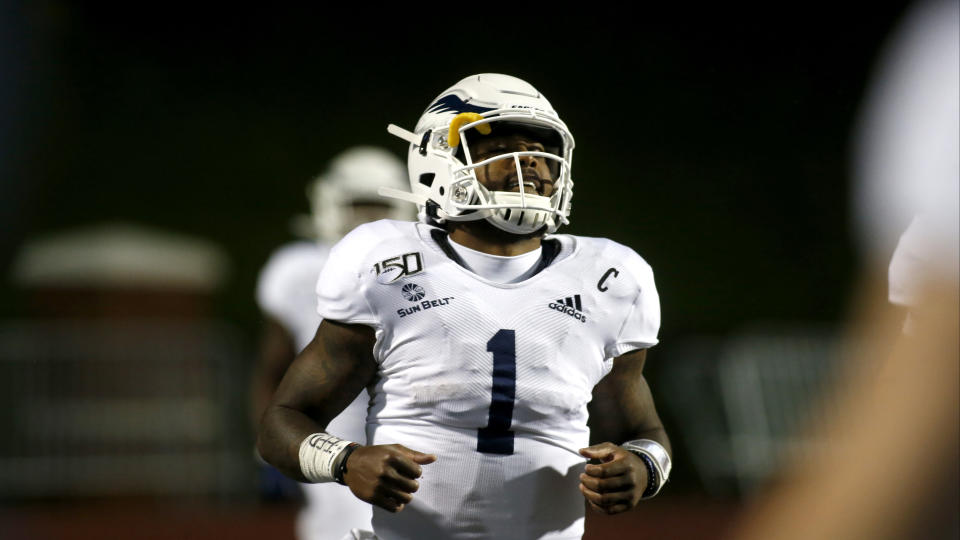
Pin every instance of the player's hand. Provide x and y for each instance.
(385, 475)
(617, 483)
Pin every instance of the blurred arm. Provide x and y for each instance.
(892, 442)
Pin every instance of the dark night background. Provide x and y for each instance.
(714, 141)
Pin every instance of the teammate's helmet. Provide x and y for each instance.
(352, 178)
(442, 178)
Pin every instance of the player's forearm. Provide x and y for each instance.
(282, 429)
(623, 407)
(262, 390)
(639, 414)
(635, 423)
(619, 421)
(657, 434)
(320, 383)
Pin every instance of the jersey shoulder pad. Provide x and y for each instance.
(627, 282)
(614, 254)
(364, 242)
(345, 280)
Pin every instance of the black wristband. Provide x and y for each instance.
(652, 480)
(342, 469)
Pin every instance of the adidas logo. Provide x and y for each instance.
(571, 306)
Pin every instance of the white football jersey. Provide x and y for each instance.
(285, 291)
(492, 378)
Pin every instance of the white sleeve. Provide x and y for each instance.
(642, 324)
(343, 284)
(274, 288)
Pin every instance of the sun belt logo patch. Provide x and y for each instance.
(571, 306)
(416, 294)
(413, 292)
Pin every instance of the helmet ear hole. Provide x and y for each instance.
(427, 179)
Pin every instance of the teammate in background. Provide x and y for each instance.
(889, 467)
(908, 142)
(481, 336)
(342, 198)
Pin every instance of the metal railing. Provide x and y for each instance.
(743, 402)
(105, 408)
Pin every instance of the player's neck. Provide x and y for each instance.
(484, 237)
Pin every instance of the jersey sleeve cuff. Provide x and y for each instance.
(627, 346)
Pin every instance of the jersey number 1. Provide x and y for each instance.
(497, 438)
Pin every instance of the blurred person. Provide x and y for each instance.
(909, 146)
(889, 464)
(341, 198)
(482, 336)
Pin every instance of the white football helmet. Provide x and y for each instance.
(442, 179)
(353, 177)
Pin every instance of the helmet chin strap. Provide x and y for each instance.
(472, 216)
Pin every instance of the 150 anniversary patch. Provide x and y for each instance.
(394, 268)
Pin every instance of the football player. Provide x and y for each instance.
(341, 198)
(482, 337)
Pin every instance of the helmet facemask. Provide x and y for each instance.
(519, 211)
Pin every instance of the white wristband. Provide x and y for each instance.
(655, 455)
(318, 456)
